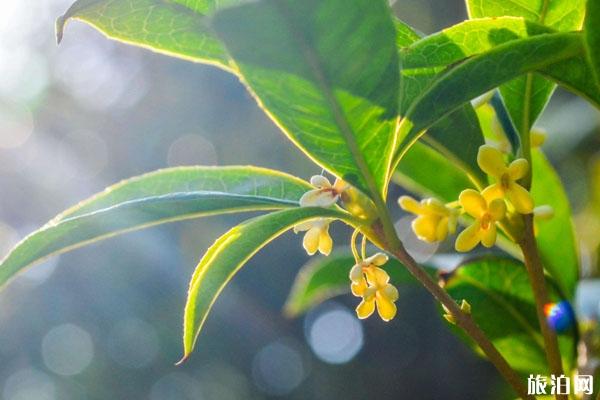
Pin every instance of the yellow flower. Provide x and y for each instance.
(537, 137)
(325, 194)
(491, 162)
(434, 219)
(372, 284)
(316, 236)
(483, 229)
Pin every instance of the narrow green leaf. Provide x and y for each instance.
(592, 37)
(228, 254)
(323, 278)
(555, 237)
(502, 304)
(313, 67)
(177, 28)
(71, 233)
(162, 196)
(525, 97)
(478, 74)
(242, 180)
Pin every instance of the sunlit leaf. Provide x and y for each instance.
(555, 237)
(241, 180)
(325, 277)
(228, 254)
(151, 199)
(177, 28)
(314, 68)
(480, 73)
(525, 97)
(502, 304)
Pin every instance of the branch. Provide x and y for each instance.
(535, 271)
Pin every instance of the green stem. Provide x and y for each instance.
(535, 271)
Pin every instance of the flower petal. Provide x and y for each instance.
(325, 241)
(441, 231)
(493, 192)
(386, 308)
(304, 226)
(473, 202)
(491, 161)
(356, 273)
(520, 198)
(488, 236)
(468, 238)
(518, 169)
(425, 227)
(409, 204)
(365, 308)
(320, 182)
(359, 287)
(376, 259)
(311, 240)
(318, 198)
(497, 209)
(390, 292)
(377, 276)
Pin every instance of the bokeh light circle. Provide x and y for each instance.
(278, 368)
(335, 335)
(67, 349)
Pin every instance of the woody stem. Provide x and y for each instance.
(535, 271)
(391, 243)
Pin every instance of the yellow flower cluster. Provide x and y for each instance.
(436, 220)
(371, 282)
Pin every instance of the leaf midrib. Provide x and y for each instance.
(339, 117)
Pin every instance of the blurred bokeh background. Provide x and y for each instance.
(104, 322)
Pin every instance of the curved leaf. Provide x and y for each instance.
(502, 304)
(325, 277)
(71, 233)
(177, 28)
(242, 180)
(555, 237)
(313, 67)
(525, 97)
(481, 73)
(228, 254)
(158, 197)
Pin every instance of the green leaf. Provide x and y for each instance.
(563, 15)
(525, 97)
(502, 304)
(555, 237)
(323, 278)
(427, 173)
(228, 254)
(151, 199)
(481, 73)
(592, 37)
(177, 28)
(314, 69)
(458, 136)
(242, 180)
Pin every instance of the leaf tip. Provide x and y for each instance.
(183, 360)
(59, 28)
